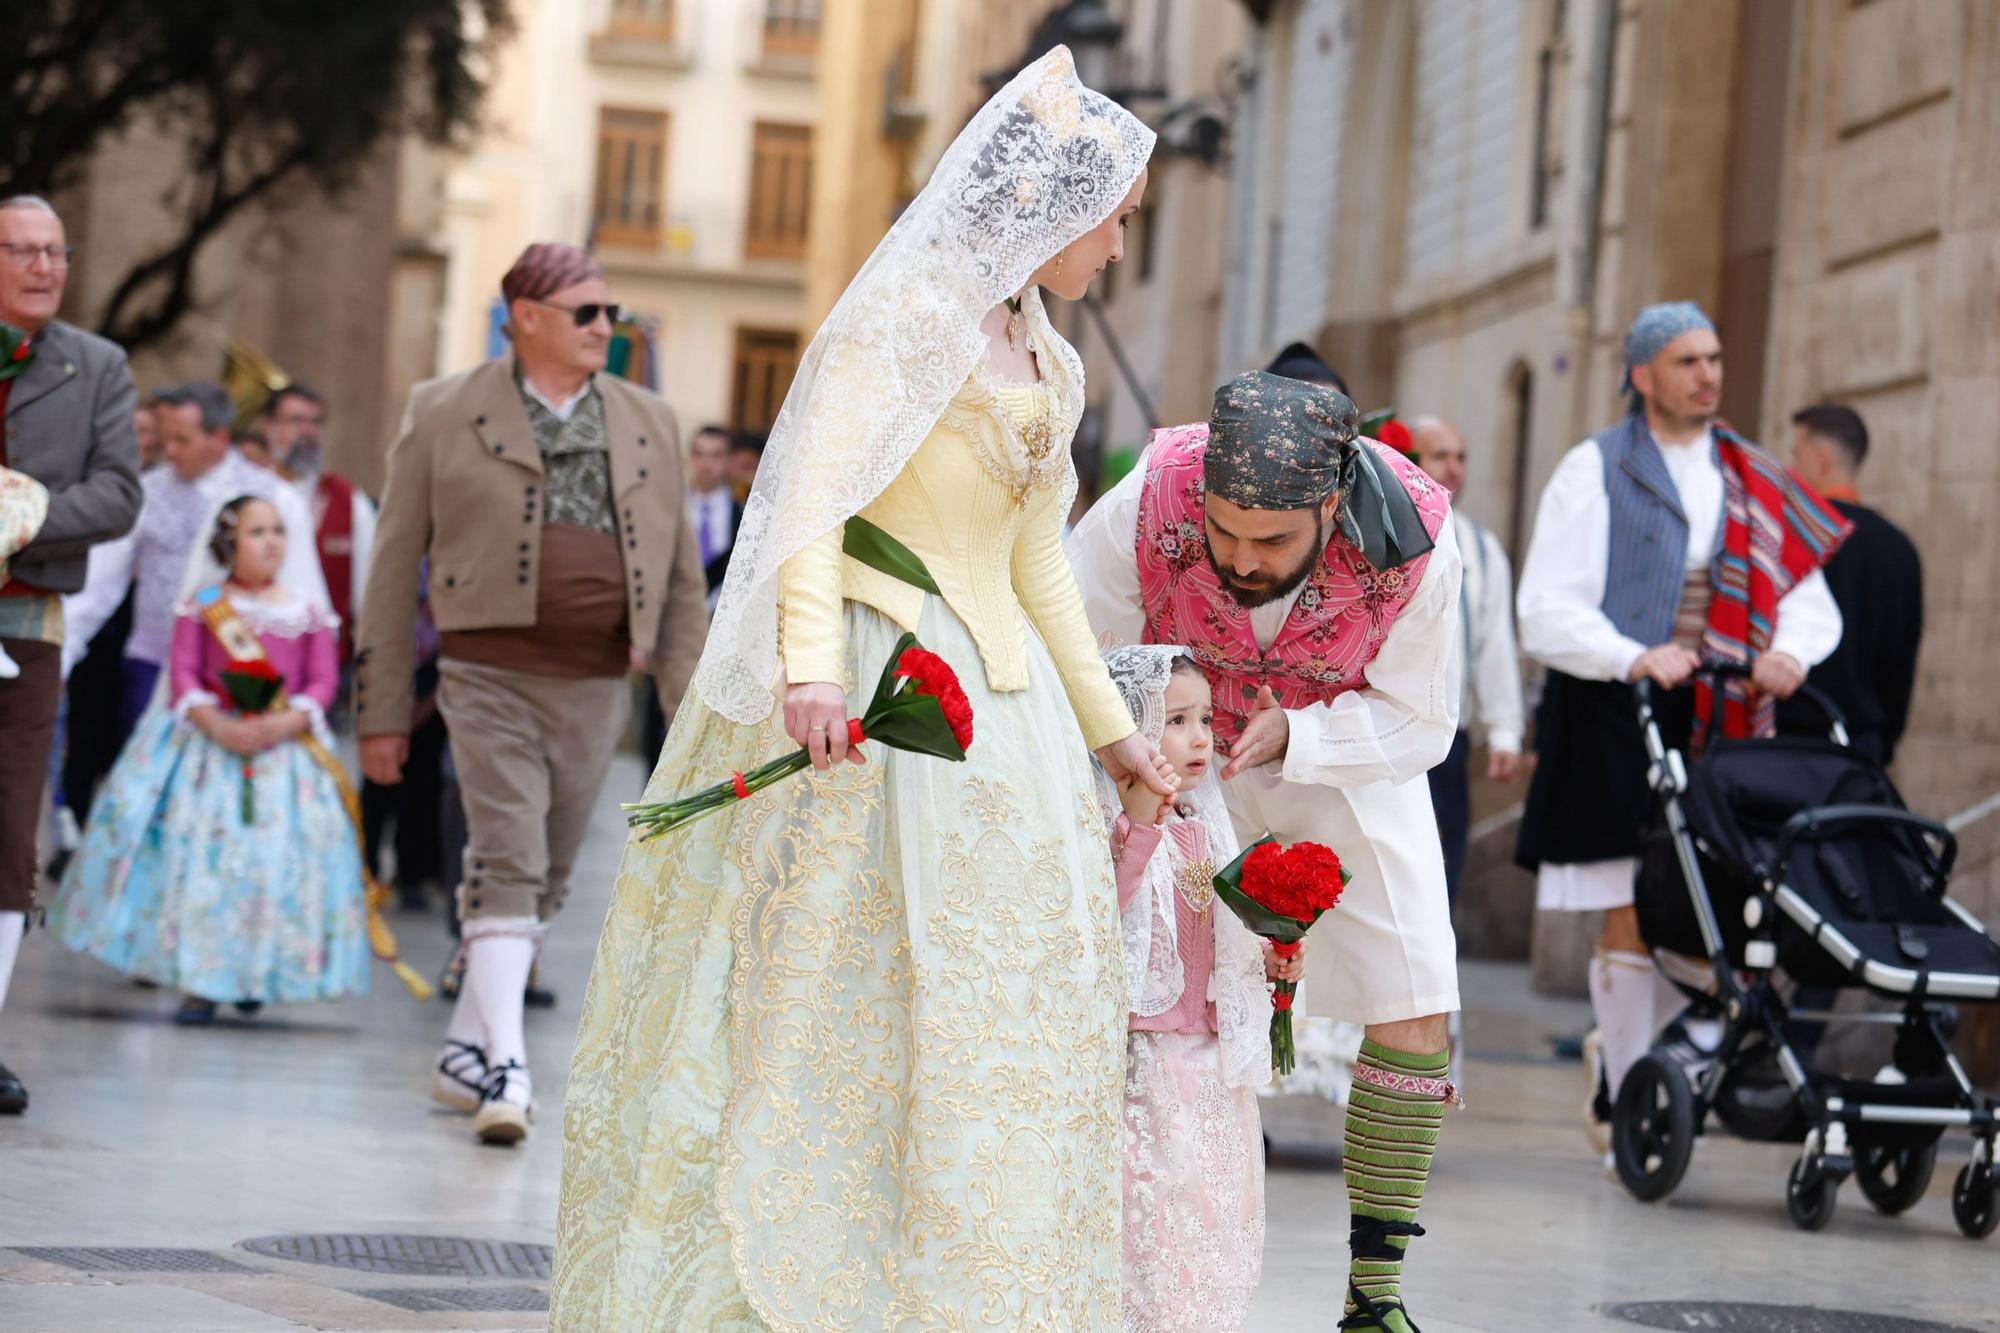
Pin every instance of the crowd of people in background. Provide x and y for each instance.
(545, 533)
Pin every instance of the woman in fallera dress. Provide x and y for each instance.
(851, 1055)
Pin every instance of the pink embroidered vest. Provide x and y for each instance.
(1335, 628)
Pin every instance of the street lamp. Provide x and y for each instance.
(1092, 33)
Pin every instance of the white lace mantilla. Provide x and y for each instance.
(1040, 165)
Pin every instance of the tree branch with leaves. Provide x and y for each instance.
(267, 96)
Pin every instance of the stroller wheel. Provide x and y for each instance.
(1652, 1128)
(1811, 1206)
(1975, 1200)
(1893, 1176)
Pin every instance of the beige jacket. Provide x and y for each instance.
(464, 488)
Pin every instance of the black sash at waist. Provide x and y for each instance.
(1588, 799)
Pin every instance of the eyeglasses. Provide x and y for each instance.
(586, 315)
(24, 256)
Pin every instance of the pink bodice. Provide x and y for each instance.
(1194, 931)
(1343, 612)
(302, 643)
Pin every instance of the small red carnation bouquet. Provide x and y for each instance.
(16, 353)
(253, 685)
(1278, 892)
(1382, 425)
(919, 706)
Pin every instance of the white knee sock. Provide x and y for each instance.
(498, 953)
(1621, 994)
(1669, 1002)
(13, 925)
(465, 1022)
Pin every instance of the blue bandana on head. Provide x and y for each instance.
(1656, 326)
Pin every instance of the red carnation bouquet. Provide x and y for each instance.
(1382, 425)
(253, 685)
(1279, 892)
(15, 352)
(918, 706)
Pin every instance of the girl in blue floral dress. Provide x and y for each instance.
(221, 857)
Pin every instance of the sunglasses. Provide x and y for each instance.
(586, 315)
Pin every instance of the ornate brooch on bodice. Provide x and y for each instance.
(1038, 437)
(1196, 883)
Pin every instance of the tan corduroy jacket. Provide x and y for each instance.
(464, 488)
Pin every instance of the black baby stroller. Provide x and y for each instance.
(1792, 860)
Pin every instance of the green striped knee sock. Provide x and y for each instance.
(1393, 1116)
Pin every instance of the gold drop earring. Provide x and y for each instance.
(1059, 258)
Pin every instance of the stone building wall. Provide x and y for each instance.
(331, 290)
(1888, 298)
(1818, 173)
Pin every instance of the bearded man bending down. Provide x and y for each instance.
(1312, 574)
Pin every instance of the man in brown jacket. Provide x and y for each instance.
(549, 500)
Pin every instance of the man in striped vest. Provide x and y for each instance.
(1662, 543)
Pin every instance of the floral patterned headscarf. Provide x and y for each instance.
(1278, 443)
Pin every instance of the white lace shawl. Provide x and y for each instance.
(302, 607)
(1154, 976)
(1040, 165)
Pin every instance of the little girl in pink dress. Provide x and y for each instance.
(1199, 1041)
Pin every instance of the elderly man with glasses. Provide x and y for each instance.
(66, 425)
(550, 501)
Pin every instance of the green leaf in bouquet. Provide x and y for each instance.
(15, 354)
(1260, 920)
(879, 551)
(917, 724)
(251, 693)
(887, 687)
(1374, 421)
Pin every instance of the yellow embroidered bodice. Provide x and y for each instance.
(981, 503)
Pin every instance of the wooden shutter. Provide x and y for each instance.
(649, 20)
(766, 360)
(631, 177)
(791, 28)
(780, 191)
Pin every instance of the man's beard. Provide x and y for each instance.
(304, 458)
(1262, 592)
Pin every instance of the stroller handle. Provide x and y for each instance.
(1825, 819)
(1650, 694)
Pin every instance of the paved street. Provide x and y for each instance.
(314, 1122)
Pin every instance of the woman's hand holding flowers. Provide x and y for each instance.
(816, 720)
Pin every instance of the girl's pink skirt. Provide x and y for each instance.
(1194, 1187)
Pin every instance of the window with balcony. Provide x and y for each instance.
(766, 360)
(791, 29)
(780, 191)
(630, 199)
(643, 20)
